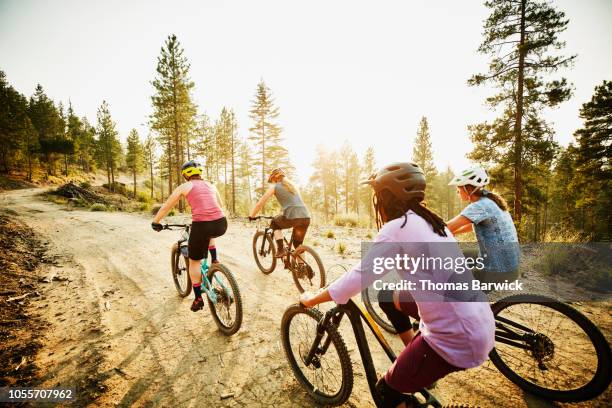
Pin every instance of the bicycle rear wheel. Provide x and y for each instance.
(180, 271)
(227, 310)
(566, 358)
(307, 269)
(328, 379)
(264, 256)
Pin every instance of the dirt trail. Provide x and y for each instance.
(119, 332)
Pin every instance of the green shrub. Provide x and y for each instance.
(369, 235)
(330, 234)
(143, 207)
(98, 207)
(143, 197)
(341, 248)
(171, 212)
(85, 184)
(118, 188)
(346, 220)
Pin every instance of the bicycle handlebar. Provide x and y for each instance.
(259, 217)
(169, 226)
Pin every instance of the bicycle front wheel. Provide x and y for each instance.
(328, 379)
(555, 352)
(264, 252)
(227, 307)
(180, 271)
(307, 269)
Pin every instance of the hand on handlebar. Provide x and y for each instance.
(156, 226)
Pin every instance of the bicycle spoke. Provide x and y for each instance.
(551, 360)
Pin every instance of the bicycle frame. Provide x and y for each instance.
(207, 285)
(290, 252)
(356, 315)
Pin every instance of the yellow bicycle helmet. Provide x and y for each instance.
(191, 168)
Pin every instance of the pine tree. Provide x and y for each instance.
(134, 155)
(266, 134)
(422, 152)
(346, 153)
(16, 130)
(365, 193)
(174, 112)
(109, 148)
(47, 121)
(149, 157)
(592, 160)
(521, 37)
(245, 169)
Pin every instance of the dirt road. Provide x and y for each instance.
(119, 332)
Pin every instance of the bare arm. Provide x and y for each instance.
(170, 202)
(459, 225)
(310, 300)
(465, 229)
(262, 201)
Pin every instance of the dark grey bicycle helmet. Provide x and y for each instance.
(406, 181)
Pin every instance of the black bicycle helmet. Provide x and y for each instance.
(406, 181)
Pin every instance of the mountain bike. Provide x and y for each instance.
(218, 283)
(304, 263)
(319, 358)
(546, 347)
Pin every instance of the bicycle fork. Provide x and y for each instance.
(208, 288)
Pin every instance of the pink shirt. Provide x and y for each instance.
(463, 333)
(203, 202)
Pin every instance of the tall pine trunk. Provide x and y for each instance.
(518, 122)
(233, 174)
(134, 182)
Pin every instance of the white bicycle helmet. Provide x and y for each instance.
(474, 176)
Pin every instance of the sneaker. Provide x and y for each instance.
(197, 304)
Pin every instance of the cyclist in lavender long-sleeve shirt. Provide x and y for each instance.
(453, 335)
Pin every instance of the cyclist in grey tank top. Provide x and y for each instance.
(295, 214)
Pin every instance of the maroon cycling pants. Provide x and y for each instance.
(418, 365)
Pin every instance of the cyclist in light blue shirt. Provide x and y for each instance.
(487, 215)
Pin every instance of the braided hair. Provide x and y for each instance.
(387, 207)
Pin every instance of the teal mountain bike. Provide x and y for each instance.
(218, 283)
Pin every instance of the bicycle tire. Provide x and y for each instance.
(174, 265)
(601, 378)
(337, 342)
(381, 321)
(233, 328)
(257, 246)
(294, 272)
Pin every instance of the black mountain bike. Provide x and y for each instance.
(304, 263)
(320, 361)
(218, 283)
(546, 347)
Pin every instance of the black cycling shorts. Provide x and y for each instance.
(200, 234)
(299, 225)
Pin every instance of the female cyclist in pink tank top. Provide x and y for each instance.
(208, 222)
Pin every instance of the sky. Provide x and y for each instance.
(339, 70)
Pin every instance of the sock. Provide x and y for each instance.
(279, 243)
(197, 290)
(213, 253)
